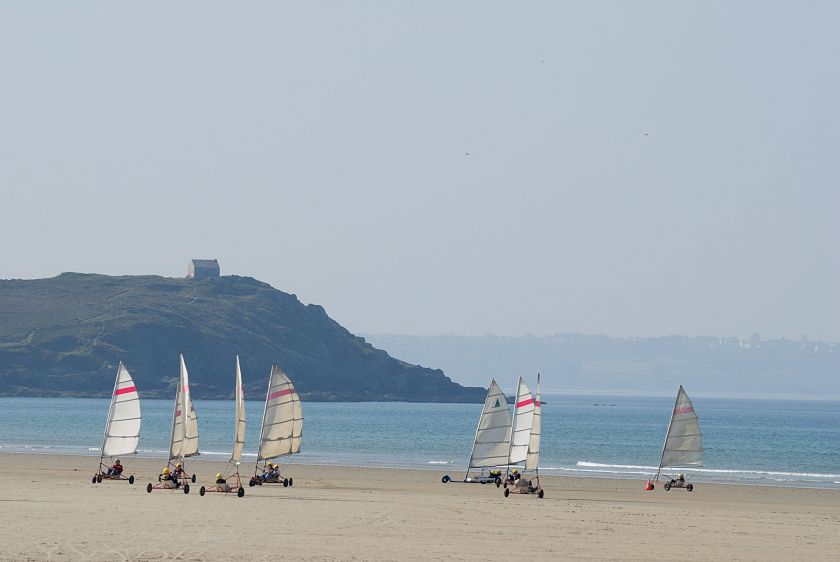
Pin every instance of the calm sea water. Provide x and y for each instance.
(771, 442)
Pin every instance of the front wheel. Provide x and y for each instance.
(201, 491)
(507, 492)
(240, 492)
(149, 488)
(251, 483)
(193, 478)
(498, 482)
(285, 482)
(541, 494)
(186, 488)
(445, 478)
(99, 478)
(291, 481)
(93, 480)
(690, 487)
(131, 479)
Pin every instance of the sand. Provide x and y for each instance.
(50, 511)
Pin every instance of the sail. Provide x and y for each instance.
(683, 441)
(122, 431)
(282, 426)
(239, 443)
(492, 436)
(523, 420)
(532, 460)
(184, 442)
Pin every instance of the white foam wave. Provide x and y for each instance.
(770, 473)
(441, 462)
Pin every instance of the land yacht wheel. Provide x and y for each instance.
(445, 478)
(690, 487)
(98, 478)
(667, 486)
(541, 494)
(498, 482)
(131, 479)
(186, 488)
(285, 482)
(291, 481)
(193, 478)
(507, 492)
(93, 480)
(251, 483)
(201, 491)
(149, 488)
(240, 492)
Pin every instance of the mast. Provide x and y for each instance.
(668, 432)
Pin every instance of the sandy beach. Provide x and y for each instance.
(51, 511)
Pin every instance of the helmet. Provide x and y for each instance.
(681, 476)
(178, 465)
(166, 470)
(218, 476)
(515, 471)
(117, 461)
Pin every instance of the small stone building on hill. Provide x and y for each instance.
(200, 269)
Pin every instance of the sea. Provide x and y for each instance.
(746, 441)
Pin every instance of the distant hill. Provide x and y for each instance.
(64, 336)
(582, 363)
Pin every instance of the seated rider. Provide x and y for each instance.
(270, 472)
(168, 478)
(116, 469)
(681, 479)
(513, 476)
(178, 473)
(221, 483)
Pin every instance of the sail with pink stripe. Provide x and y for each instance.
(282, 427)
(523, 420)
(122, 430)
(184, 441)
(532, 460)
(683, 440)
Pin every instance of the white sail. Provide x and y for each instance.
(683, 441)
(122, 430)
(282, 426)
(492, 436)
(239, 443)
(532, 460)
(184, 442)
(523, 420)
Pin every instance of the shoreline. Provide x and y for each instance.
(443, 469)
(338, 513)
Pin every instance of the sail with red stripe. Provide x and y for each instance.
(282, 427)
(523, 420)
(122, 430)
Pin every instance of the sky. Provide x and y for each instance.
(628, 168)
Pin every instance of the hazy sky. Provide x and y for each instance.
(439, 167)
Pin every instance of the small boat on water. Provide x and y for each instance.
(491, 445)
(525, 443)
(229, 481)
(281, 433)
(184, 440)
(122, 429)
(683, 445)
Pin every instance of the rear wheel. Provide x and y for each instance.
(690, 487)
(99, 478)
(498, 482)
(149, 488)
(240, 492)
(507, 492)
(201, 491)
(291, 481)
(541, 494)
(667, 486)
(193, 478)
(186, 488)
(93, 480)
(445, 478)
(285, 482)
(131, 479)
